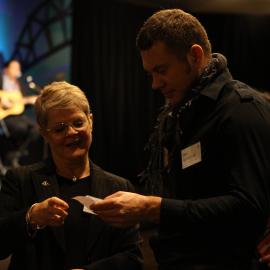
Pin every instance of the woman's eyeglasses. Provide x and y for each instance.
(62, 127)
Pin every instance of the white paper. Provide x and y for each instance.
(87, 201)
(191, 155)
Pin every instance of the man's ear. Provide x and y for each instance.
(195, 56)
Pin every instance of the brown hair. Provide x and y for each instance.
(59, 95)
(177, 29)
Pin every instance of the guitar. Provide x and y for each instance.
(13, 103)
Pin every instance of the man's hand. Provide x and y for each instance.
(51, 212)
(30, 100)
(123, 209)
(6, 103)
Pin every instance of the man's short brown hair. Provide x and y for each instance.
(177, 29)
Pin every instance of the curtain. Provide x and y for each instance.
(244, 39)
(107, 66)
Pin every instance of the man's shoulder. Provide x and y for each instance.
(1, 80)
(240, 91)
(244, 107)
(237, 96)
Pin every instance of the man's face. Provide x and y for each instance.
(171, 75)
(14, 70)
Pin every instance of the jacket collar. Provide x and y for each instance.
(214, 88)
(46, 186)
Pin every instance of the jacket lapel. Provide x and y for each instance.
(96, 226)
(46, 186)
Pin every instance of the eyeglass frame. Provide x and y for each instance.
(66, 125)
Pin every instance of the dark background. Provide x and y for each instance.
(92, 44)
(107, 66)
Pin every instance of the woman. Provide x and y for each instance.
(41, 225)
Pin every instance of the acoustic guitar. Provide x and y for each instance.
(13, 103)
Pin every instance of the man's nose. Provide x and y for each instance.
(157, 82)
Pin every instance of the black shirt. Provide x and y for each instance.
(77, 223)
(217, 207)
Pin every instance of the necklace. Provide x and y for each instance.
(74, 178)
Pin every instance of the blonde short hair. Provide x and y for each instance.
(59, 95)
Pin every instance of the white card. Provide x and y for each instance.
(87, 201)
(191, 155)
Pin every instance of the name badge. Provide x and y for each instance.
(191, 155)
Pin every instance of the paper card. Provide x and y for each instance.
(191, 155)
(87, 201)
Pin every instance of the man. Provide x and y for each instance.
(18, 127)
(210, 152)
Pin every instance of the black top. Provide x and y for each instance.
(216, 209)
(106, 247)
(77, 222)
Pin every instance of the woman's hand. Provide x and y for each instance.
(51, 212)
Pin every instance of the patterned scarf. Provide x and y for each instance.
(168, 131)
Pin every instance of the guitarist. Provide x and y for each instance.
(21, 130)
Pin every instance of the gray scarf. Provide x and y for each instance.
(167, 128)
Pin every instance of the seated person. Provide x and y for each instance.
(19, 128)
(41, 225)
